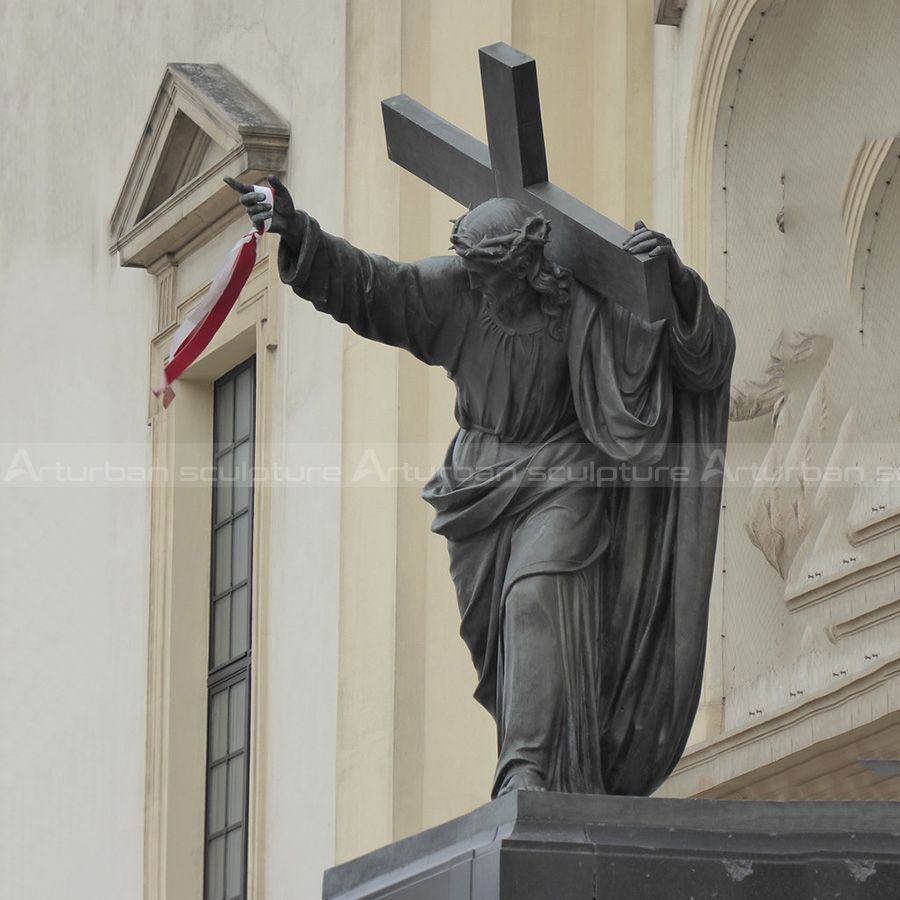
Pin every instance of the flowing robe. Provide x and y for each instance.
(596, 461)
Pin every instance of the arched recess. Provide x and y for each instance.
(865, 191)
(789, 155)
(725, 34)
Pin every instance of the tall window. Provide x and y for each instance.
(228, 709)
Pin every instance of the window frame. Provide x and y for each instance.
(234, 670)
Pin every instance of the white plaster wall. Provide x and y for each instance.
(73, 349)
(77, 86)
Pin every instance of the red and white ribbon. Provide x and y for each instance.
(200, 325)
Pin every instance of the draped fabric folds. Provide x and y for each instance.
(594, 462)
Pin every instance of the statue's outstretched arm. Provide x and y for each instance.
(419, 307)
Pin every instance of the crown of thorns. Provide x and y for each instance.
(534, 232)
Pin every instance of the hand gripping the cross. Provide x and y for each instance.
(643, 240)
(284, 216)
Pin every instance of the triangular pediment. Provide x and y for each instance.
(204, 125)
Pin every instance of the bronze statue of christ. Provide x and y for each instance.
(580, 496)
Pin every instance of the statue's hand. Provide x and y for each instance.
(643, 240)
(283, 216)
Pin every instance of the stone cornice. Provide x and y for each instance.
(817, 718)
(669, 12)
(841, 582)
(879, 616)
(169, 199)
(875, 527)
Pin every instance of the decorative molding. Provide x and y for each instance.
(166, 292)
(875, 527)
(721, 33)
(740, 754)
(841, 582)
(669, 12)
(244, 302)
(173, 196)
(156, 768)
(251, 328)
(254, 289)
(880, 616)
(204, 125)
(872, 168)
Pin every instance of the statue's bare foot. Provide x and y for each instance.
(521, 780)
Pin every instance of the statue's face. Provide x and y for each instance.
(494, 281)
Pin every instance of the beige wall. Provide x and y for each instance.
(415, 748)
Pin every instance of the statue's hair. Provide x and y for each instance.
(506, 233)
(552, 282)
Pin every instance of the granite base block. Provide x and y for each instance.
(542, 846)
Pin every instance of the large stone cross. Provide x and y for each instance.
(514, 164)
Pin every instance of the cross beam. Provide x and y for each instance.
(514, 164)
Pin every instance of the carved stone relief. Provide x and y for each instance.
(787, 505)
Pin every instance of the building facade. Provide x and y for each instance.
(218, 685)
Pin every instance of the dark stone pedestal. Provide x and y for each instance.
(527, 846)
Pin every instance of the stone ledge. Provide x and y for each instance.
(669, 12)
(794, 736)
(533, 845)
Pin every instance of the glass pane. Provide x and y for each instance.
(216, 799)
(215, 869)
(241, 548)
(221, 630)
(237, 718)
(218, 725)
(240, 622)
(243, 402)
(225, 413)
(223, 559)
(236, 789)
(242, 476)
(234, 865)
(224, 487)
